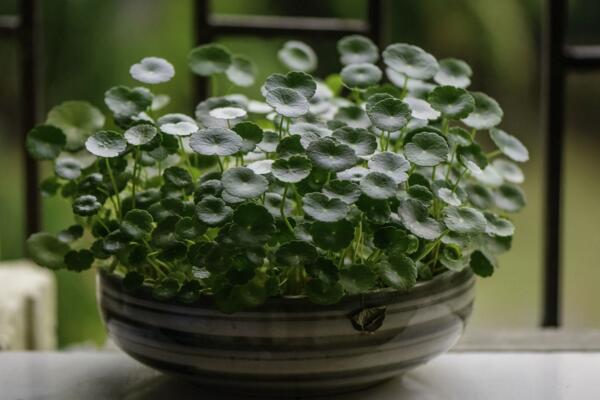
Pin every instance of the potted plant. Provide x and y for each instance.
(323, 240)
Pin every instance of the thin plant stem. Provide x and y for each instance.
(282, 209)
(220, 164)
(115, 188)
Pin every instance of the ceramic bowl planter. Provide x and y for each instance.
(289, 346)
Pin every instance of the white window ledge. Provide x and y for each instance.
(454, 376)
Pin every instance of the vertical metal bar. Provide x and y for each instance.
(29, 102)
(202, 34)
(554, 108)
(374, 13)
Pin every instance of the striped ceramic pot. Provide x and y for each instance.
(290, 346)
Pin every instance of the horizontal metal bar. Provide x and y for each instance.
(263, 25)
(582, 57)
(9, 24)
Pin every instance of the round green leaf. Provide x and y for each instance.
(46, 250)
(213, 211)
(487, 112)
(287, 102)
(178, 177)
(106, 144)
(376, 211)
(389, 114)
(358, 139)
(324, 293)
(79, 260)
(77, 120)
(453, 72)
(357, 278)
(216, 142)
(269, 142)
(241, 72)
(480, 196)
(67, 168)
(391, 164)
(298, 56)
(379, 186)
(140, 134)
(292, 170)
(452, 102)
(421, 193)
(489, 176)
(509, 198)
(421, 109)
(361, 76)
(86, 204)
(353, 116)
(415, 217)
(127, 102)
(354, 174)
(509, 145)
(273, 204)
(481, 264)
(400, 272)
(137, 224)
(181, 128)
(458, 136)
(152, 70)
(346, 191)
(253, 225)
(209, 59)
(327, 154)
(296, 252)
(472, 157)
(242, 182)
(71, 234)
(498, 226)
(509, 170)
(45, 142)
(261, 167)
(289, 146)
(357, 49)
(299, 81)
(464, 220)
(411, 61)
(426, 149)
(448, 196)
(227, 113)
(333, 236)
(250, 133)
(322, 208)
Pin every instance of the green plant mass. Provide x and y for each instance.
(314, 190)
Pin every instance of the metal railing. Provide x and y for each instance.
(559, 59)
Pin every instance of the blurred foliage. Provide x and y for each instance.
(90, 44)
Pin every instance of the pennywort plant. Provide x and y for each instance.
(370, 179)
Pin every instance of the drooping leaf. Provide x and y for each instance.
(487, 112)
(46, 250)
(45, 142)
(250, 133)
(481, 264)
(399, 272)
(509, 145)
(77, 120)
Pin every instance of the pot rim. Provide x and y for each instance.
(444, 281)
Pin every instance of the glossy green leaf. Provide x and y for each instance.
(391, 164)
(137, 224)
(508, 170)
(464, 220)
(481, 264)
(426, 149)
(77, 120)
(330, 155)
(509, 145)
(213, 211)
(241, 71)
(333, 236)
(399, 272)
(509, 198)
(357, 278)
(378, 185)
(389, 114)
(298, 56)
(127, 102)
(140, 134)
(292, 170)
(452, 102)
(67, 168)
(287, 102)
(242, 182)
(216, 142)
(361, 76)
(346, 191)
(358, 139)
(322, 208)
(324, 293)
(411, 61)
(301, 82)
(415, 217)
(453, 72)
(250, 133)
(178, 177)
(296, 252)
(487, 112)
(86, 205)
(106, 144)
(421, 109)
(79, 260)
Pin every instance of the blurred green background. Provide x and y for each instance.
(90, 44)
